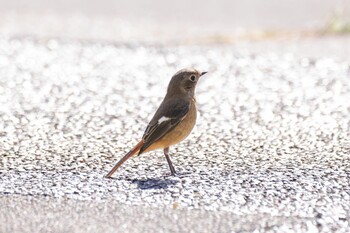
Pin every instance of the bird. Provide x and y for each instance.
(174, 119)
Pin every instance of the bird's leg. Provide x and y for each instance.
(172, 169)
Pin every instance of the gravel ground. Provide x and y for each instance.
(71, 215)
(270, 151)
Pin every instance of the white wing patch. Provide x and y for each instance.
(162, 119)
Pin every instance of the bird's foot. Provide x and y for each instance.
(175, 174)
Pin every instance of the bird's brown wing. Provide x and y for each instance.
(169, 114)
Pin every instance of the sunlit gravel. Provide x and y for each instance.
(273, 135)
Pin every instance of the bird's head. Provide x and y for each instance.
(184, 82)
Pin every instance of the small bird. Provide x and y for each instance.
(174, 119)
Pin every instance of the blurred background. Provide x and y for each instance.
(182, 21)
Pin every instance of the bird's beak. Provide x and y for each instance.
(203, 73)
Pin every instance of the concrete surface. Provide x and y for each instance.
(270, 151)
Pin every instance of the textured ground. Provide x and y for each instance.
(270, 151)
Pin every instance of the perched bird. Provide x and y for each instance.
(174, 119)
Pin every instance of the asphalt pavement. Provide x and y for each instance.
(270, 151)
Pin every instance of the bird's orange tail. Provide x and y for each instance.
(126, 157)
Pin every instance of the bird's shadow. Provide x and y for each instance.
(154, 183)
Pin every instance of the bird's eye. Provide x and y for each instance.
(193, 78)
